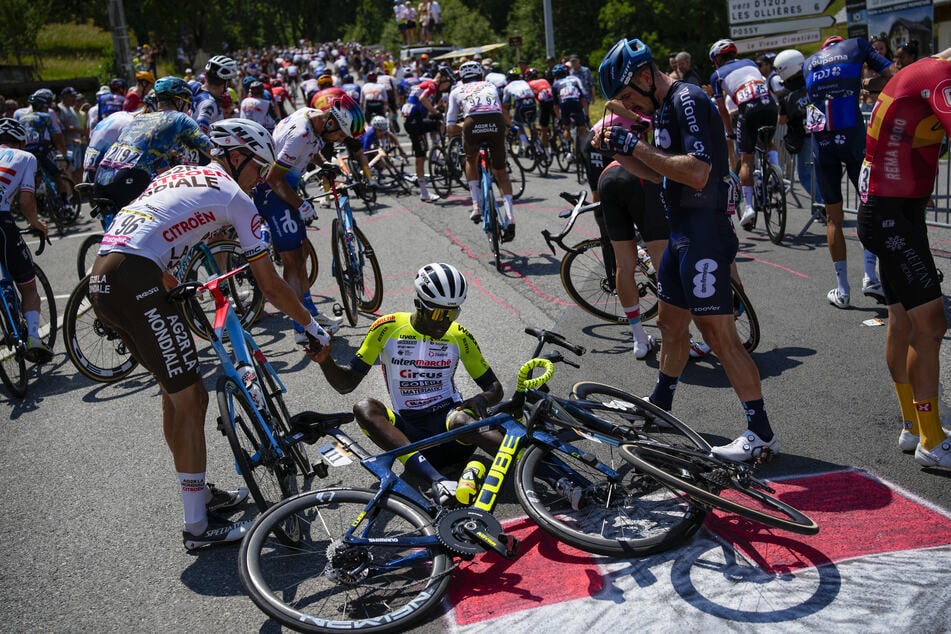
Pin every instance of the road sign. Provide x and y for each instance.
(515, 41)
(746, 11)
(775, 42)
(782, 26)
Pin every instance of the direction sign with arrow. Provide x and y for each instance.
(746, 11)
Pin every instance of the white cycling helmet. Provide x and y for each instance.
(222, 66)
(441, 285)
(243, 133)
(379, 123)
(470, 71)
(12, 128)
(788, 63)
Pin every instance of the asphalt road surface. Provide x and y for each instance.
(91, 510)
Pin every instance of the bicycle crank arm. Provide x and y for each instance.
(505, 545)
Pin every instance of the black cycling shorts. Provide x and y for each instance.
(125, 186)
(894, 229)
(127, 294)
(627, 203)
(525, 111)
(428, 425)
(14, 253)
(374, 109)
(417, 128)
(572, 113)
(751, 117)
(544, 113)
(485, 128)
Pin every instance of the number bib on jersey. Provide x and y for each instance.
(750, 91)
(121, 157)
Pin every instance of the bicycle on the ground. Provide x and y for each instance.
(391, 173)
(354, 262)
(769, 188)
(13, 330)
(588, 276)
(252, 412)
(379, 559)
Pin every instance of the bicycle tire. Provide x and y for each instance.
(457, 159)
(747, 324)
(558, 150)
(242, 289)
(490, 219)
(440, 174)
(274, 396)
(542, 161)
(12, 361)
(97, 351)
(774, 207)
(585, 280)
(370, 295)
(88, 251)
(361, 186)
(270, 478)
(632, 515)
(399, 177)
(341, 266)
(49, 318)
(516, 178)
(304, 588)
(703, 476)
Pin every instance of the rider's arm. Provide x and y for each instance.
(277, 182)
(637, 167)
(344, 379)
(28, 207)
(277, 291)
(682, 168)
(490, 395)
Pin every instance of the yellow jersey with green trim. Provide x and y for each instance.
(419, 369)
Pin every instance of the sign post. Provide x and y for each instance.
(772, 24)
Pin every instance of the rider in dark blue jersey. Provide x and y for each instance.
(833, 83)
(690, 153)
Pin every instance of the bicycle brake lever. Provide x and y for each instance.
(547, 235)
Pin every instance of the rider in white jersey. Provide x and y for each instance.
(127, 290)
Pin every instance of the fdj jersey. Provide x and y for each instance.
(834, 80)
(419, 370)
(688, 123)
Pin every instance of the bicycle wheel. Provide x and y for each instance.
(241, 289)
(747, 325)
(97, 351)
(542, 162)
(87, 254)
(440, 172)
(774, 207)
(558, 150)
(516, 177)
(361, 186)
(490, 218)
(457, 158)
(618, 515)
(12, 360)
(399, 177)
(49, 319)
(325, 584)
(269, 477)
(342, 267)
(703, 476)
(370, 292)
(585, 280)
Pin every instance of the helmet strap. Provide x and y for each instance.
(651, 93)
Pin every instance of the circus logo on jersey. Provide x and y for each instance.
(942, 100)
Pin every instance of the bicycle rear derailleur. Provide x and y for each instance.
(469, 531)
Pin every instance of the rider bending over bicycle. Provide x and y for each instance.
(419, 353)
(476, 104)
(127, 290)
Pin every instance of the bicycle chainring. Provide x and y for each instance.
(454, 527)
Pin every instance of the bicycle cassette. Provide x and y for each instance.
(469, 531)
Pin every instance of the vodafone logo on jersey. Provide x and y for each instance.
(942, 100)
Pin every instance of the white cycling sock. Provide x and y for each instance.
(32, 322)
(870, 262)
(507, 203)
(842, 275)
(748, 196)
(192, 486)
(476, 193)
(423, 192)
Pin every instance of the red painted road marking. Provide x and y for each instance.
(857, 516)
(490, 586)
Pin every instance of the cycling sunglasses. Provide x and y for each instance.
(439, 313)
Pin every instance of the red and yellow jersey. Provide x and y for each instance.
(909, 121)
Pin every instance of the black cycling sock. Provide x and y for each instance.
(663, 394)
(756, 419)
(418, 464)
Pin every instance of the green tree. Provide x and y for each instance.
(20, 23)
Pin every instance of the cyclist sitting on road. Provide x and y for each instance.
(420, 352)
(127, 289)
(693, 279)
(298, 140)
(741, 80)
(19, 173)
(147, 143)
(475, 112)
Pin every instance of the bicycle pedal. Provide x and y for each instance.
(763, 456)
(337, 310)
